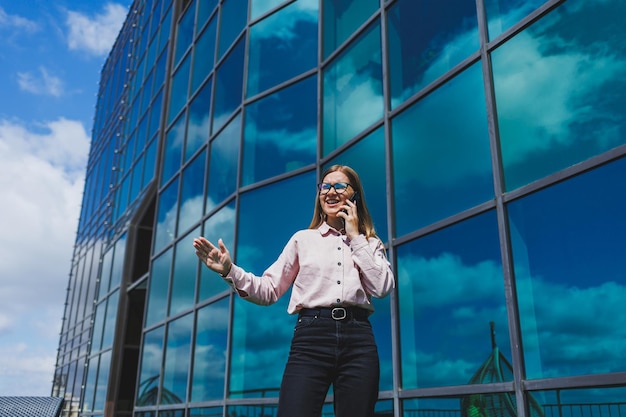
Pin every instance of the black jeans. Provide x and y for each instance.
(325, 351)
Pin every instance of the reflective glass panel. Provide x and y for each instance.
(228, 86)
(259, 7)
(98, 326)
(207, 412)
(442, 159)
(166, 217)
(281, 132)
(353, 90)
(342, 18)
(282, 46)
(90, 384)
(177, 358)
(221, 225)
(586, 402)
(500, 404)
(192, 193)
(205, 8)
(117, 269)
(103, 379)
(223, 163)
(367, 158)
(172, 155)
(204, 55)
(426, 39)
(184, 277)
(184, 31)
(209, 368)
(453, 316)
(560, 90)
(150, 365)
(259, 356)
(502, 14)
(198, 127)
(233, 18)
(158, 289)
(110, 320)
(569, 246)
(179, 88)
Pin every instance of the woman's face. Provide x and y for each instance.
(332, 201)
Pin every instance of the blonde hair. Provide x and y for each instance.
(366, 225)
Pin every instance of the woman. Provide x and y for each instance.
(335, 266)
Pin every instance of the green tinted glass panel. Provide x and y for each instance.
(569, 246)
(228, 86)
(158, 289)
(560, 90)
(177, 358)
(192, 193)
(223, 164)
(221, 225)
(281, 132)
(282, 46)
(209, 369)
(342, 18)
(427, 39)
(204, 56)
(233, 18)
(441, 156)
(150, 365)
(199, 121)
(174, 142)
(353, 92)
(451, 290)
(367, 157)
(503, 14)
(182, 296)
(179, 88)
(166, 217)
(256, 366)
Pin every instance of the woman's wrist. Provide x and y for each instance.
(226, 270)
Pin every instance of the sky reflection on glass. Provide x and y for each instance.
(177, 358)
(342, 18)
(221, 225)
(150, 365)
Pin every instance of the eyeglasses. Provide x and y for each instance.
(340, 187)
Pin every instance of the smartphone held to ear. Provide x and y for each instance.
(354, 199)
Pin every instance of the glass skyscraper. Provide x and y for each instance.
(490, 136)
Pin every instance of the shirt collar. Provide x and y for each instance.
(325, 229)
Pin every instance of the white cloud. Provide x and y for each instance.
(41, 84)
(13, 21)
(41, 183)
(96, 34)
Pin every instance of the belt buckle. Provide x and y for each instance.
(338, 313)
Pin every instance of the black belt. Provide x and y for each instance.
(337, 313)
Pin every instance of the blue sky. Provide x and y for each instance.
(51, 54)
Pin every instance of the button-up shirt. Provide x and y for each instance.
(326, 269)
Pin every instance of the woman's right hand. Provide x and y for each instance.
(216, 258)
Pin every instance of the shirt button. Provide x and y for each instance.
(339, 248)
(338, 300)
(339, 263)
(338, 282)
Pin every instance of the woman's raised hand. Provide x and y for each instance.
(216, 258)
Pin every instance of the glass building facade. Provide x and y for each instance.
(491, 139)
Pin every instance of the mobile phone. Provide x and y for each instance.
(354, 199)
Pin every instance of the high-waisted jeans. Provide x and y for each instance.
(325, 351)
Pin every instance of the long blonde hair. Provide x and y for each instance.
(366, 225)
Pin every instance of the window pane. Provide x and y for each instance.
(228, 86)
(233, 18)
(256, 366)
(426, 39)
(342, 18)
(451, 290)
(179, 88)
(223, 164)
(209, 369)
(281, 132)
(205, 8)
(103, 379)
(221, 225)
(184, 277)
(569, 246)
(109, 320)
(177, 355)
(282, 46)
(172, 154)
(502, 14)
(595, 401)
(204, 55)
(353, 92)
(158, 289)
(166, 217)
(500, 404)
(367, 157)
(192, 193)
(259, 7)
(151, 356)
(184, 31)
(561, 91)
(199, 123)
(442, 159)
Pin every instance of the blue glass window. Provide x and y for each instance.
(233, 18)
(192, 193)
(502, 14)
(221, 225)
(282, 46)
(156, 302)
(183, 290)
(353, 91)
(184, 31)
(451, 289)
(342, 18)
(150, 374)
(172, 156)
(259, 7)
(441, 154)
(204, 55)
(223, 164)
(228, 86)
(426, 39)
(281, 132)
(177, 358)
(179, 88)
(198, 126)
(569, 246)
(165, 228)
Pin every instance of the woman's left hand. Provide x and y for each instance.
(350, 218)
